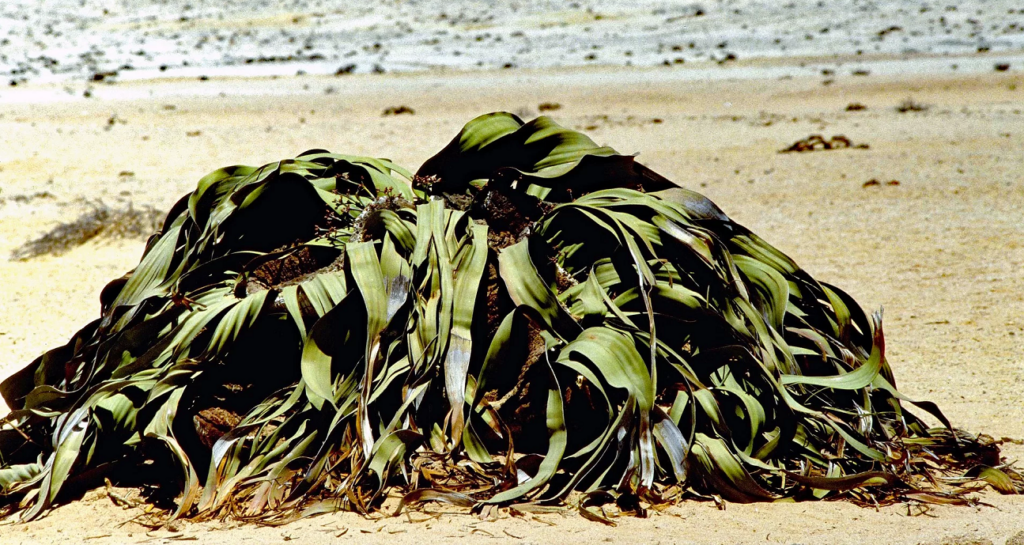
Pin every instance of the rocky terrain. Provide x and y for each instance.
(103, 40)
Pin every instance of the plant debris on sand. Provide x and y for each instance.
(529, 316)
(910, 105)
(100, 220)
(816, 142)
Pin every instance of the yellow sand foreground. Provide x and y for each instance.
(942, 249)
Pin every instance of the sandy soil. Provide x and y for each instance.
(943, 250)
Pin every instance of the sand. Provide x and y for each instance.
(943, 250)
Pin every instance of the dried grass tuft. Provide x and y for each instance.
(101, 220)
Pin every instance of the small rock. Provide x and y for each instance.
(1016, 539)
(398, 110)
(909, 105)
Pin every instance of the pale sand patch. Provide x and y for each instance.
(943, 250)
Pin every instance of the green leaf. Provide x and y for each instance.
(456, 366)
(854, 380)
(526, 287)
(616, 358)
(993, 476)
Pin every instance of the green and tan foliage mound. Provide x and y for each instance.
(527, 317)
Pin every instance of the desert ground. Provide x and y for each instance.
(942, 248)
(76, 40)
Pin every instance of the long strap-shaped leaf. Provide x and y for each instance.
(365, 269)
(856, 379)
(618, 361)
(456, 366)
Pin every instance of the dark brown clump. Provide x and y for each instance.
(508, 213)
(278, 271)
(398, 110)
(909, 105)
(212, 423)
(816, 142)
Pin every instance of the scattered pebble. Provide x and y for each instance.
(909, 105)
(398, 110)
(816, 142)
(75, 44)
(101, 76)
